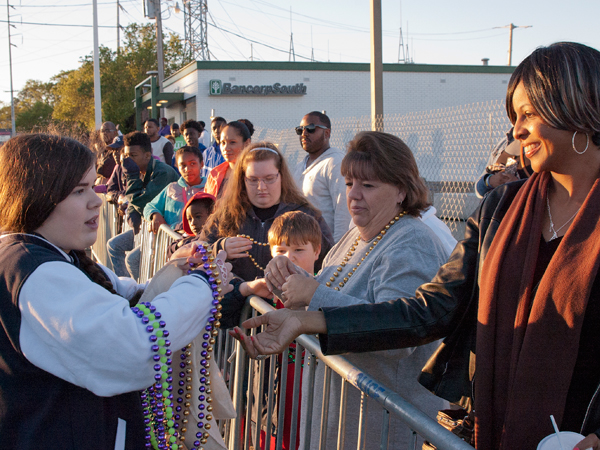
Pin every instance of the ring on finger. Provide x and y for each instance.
(261, 357)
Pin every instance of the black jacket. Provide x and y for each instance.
(444, 308)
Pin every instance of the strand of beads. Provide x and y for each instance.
(185, 386)
(351, 252)
(163, 427)
(260, 244)
(208, 340)
(157, 399)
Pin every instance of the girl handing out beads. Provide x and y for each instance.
(73, 353)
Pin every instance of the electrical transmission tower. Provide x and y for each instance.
(196, 41)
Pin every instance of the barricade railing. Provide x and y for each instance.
(145, 240)
(239, 371)
(108, 223)
(164, 238)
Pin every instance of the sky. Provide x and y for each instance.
(435, 31)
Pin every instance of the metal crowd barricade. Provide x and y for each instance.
(145, 240)
(238, 365)
(108, 222)
(164, 238)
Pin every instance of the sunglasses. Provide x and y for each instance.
(310, 128)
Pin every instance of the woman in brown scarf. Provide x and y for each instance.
(521, 291)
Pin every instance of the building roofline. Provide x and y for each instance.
(335, 67)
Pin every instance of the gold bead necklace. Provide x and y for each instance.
(260, 244)
(350, 254)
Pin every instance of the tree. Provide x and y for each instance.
(34, 118)
(35, 91)
(119, 74)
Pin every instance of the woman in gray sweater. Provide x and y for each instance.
(388, 254)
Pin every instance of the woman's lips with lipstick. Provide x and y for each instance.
(531, 149)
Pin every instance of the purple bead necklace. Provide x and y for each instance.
(165, 422)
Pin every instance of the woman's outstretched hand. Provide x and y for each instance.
(282, 327)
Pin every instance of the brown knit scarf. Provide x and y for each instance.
(527, 339)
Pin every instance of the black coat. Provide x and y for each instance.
(444, 308)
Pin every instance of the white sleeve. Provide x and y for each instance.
(80, 332)
(124, 286)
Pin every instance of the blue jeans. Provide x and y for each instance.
(132, 261)
(117, 246)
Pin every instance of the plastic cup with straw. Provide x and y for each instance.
(562, 447)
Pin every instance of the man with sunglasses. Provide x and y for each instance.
(318, 174)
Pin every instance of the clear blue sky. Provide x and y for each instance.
(439, 31)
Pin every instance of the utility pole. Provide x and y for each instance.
(196, 36)
(97, 94)
(292, 52)
(118, 29)
(511, 27)
(12, 100)
(159, 46)
(376, 68)
(401, 53)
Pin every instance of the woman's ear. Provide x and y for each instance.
(401, 196)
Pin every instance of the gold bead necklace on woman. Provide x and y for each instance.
(260, 244)
(350, 253)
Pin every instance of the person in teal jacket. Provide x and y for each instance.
(168, 205)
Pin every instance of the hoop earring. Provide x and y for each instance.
(586, 145)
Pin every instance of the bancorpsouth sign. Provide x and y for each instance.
(219, 88)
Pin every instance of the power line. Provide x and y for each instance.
(68, 6)
(257, 42)
(61, 24)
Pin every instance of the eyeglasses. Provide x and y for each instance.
(253, 181)
(310, 128)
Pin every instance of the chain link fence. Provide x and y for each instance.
(451, 146)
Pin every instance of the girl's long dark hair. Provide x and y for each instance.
(37, 172)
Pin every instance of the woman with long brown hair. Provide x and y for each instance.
(73, 353)
(260, 189)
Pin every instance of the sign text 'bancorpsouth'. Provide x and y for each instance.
(219, 88)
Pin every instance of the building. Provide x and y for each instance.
(277, 94)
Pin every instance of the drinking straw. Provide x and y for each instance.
(557, 432)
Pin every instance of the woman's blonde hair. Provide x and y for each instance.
(233, 206)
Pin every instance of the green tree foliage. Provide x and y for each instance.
(119, 73)
(34, 118)
(36, 91)
(33, 107)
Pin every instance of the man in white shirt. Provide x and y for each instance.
(318, 174)
(161, 147)
(204, 135)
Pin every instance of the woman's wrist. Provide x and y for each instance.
(312, 322)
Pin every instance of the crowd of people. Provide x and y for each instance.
(345, 245)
